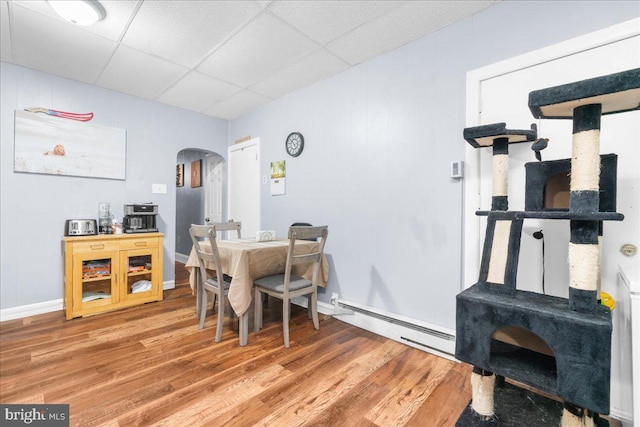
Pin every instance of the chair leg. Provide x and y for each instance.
(213, 304)
(203, 308)
(220, 318)
(257, 310)
(313, 304)
(285, 321)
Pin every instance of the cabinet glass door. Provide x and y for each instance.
(95, 271)
(139, 274)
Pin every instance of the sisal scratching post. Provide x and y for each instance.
(573, 416)
(482, 386)
(584, 258)
(499, 199)
(584, 248)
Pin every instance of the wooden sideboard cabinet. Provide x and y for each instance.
(108, 272)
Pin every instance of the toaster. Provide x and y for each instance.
(80, 227)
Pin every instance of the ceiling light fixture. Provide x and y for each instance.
(80, 12)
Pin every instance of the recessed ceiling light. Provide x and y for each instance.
(80, 12)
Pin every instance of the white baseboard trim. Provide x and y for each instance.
(49, 306)
(626, 418)
(31, 309)
(414, 333)
(182, 258)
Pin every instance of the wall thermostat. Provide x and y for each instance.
(457, 169)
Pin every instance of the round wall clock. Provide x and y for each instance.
(294, 144)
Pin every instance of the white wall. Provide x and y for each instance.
(379, 139)
(33, 207)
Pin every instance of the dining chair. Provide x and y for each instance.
(228, 226)
(218, 285)
(287, 285)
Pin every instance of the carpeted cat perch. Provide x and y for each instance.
(556, 345)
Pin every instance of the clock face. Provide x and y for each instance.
(294, 144)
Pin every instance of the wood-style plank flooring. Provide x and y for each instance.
(151, 365)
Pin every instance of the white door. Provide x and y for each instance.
(502, 96)
(244, 185)
(213, 189)
(504, 99)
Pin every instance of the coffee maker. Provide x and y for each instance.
(140, 218)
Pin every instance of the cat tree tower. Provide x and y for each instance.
(556, 345)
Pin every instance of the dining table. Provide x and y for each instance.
(246, 260)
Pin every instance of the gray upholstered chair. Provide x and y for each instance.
(228, 226)
(218, 286)
(287, 285)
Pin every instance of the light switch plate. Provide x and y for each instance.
(159, 188)
(457, 169)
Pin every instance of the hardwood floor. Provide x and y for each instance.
(151, 365)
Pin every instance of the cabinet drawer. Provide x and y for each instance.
(96, 246)
(141, 243)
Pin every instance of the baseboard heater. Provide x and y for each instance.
(404, 330)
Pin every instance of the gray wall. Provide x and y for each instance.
(379, 139)
(34, 207)
(189, 202)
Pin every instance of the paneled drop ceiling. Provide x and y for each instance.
(220, 58)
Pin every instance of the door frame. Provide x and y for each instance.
(472, 223)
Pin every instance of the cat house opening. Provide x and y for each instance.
(547, 186)
(520, 350)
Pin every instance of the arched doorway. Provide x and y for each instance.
(198, 203)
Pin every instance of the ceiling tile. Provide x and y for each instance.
(221, 58)
(311, 68)
(139, 74)
(401, 25)
(259, 49)
(57, 47)
(196, 91)
(117, 16)
(185, 31)
(6, 53)
(236, 105)
(324, 21)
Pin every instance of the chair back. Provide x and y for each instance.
(201, 234)
(306, 233)
(306, 224)
(228, 226)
